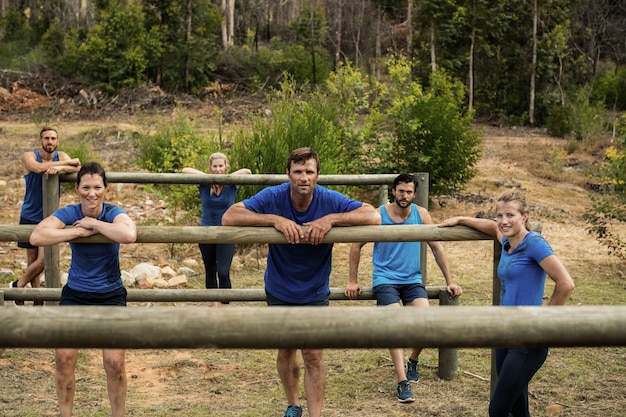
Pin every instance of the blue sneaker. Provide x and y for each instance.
(293, 411)
(405, 395)
(412, 373)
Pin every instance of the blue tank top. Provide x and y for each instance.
(32, 209)
(397, 262)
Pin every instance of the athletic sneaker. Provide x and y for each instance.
(13, 284)
(293, 411)
(405, 395)
(412, 373)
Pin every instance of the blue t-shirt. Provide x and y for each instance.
(397, 262)
(95, 267)
(214, 206)
(299, 273)
(522, 277)
(32, 209)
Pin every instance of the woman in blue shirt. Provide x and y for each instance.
(216, 199)
(526, 260)
(94, 276)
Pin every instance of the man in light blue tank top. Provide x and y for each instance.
(397, 274)
(44, 161)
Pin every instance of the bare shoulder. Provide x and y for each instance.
(425, 215)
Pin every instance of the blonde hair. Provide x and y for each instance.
(516, 196)
(218, 155)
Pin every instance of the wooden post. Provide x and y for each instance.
(497, 253)
(383, 195)
(50, 189)
(421, 199)
(448, 357)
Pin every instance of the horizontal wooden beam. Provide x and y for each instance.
(254, 179)
(191, 327)
(232, 234)
(164, 295)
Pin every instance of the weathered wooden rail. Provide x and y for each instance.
(311, 327)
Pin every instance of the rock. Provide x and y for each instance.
(144, 282)
(177, 280)
(128, 279)
(150, 270)
(161, 283)
(191, 263)
(187, 271)
(168, 272)
(6, 273)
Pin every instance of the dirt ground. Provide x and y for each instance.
(576, 382)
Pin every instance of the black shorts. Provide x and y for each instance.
(26, 245)
(70, 297)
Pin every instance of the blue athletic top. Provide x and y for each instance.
(397, 262)
(95, 267)
(32, 209)
(214, 206)
(522, 277)
(299, 273)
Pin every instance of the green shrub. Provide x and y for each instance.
(610, 89)
(429, 131)
(607, 212)
(560, 121)
(297, 117)
(168, 147)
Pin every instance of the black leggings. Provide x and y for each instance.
(217, 260)
(515, 367)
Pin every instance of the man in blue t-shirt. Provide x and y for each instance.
(299, 274)
(37, 163)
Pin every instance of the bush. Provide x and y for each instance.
(610, 89)
(298, 117)
(173, 146)
(429, 130)
(609, 210)
(560, 121)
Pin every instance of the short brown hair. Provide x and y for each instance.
(302, 155)
(45, 129)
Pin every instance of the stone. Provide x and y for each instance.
(144, 282)
(187, 271)
(146, 268)
(6, 273)
(177, 281)
(161, 283)
(128, 279)
(168, 272)
(191, 263)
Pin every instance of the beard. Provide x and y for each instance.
(403, 203)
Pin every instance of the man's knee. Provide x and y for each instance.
(313, 358)
(114, 363)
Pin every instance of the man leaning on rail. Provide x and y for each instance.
(299, 274)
